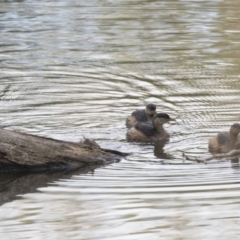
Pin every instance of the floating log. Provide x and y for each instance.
(23, 152)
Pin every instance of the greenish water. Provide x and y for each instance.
(70, 69)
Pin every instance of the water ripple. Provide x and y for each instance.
(77, 68)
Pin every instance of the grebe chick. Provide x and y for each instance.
(146, 132)
(225, 141)
(141, 115)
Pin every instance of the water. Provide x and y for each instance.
(70, 69)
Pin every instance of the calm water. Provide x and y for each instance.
(72, 68)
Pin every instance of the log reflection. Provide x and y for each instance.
(14, 185)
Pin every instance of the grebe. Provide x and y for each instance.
(146, 132)
(225, 141)
(141, 115)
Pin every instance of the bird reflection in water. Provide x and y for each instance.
(159, 149)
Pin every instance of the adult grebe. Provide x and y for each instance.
(225, 141)
(146, 132)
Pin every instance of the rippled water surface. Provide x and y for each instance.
(70, 69)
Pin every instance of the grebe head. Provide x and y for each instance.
(161, 118)
(151, 109)
(235, 129)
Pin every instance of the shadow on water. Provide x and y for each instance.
(13, 185)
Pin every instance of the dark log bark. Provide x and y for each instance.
(28, 153)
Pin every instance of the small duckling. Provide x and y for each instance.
(225, 141)
(146, 132)
(141, 115)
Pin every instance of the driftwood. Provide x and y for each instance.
(231, 155)
(28, 153)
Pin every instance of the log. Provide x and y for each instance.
(23, 152)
